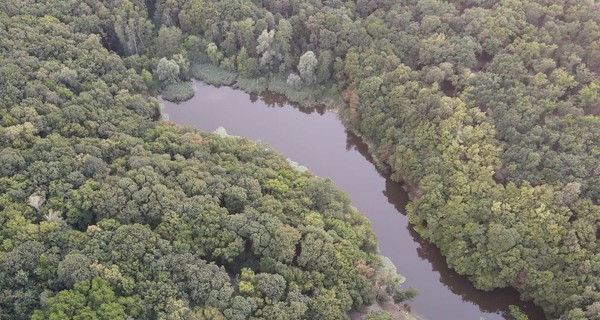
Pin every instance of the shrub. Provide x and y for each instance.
(179, 91)
(294, 81)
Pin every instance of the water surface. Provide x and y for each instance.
(318, 140)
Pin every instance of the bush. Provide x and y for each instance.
(179, 91)
(405, 295)
(294, 81)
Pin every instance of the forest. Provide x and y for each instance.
(107, 213)
(488, 111)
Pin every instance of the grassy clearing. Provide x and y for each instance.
(304, 97)
(252, 85)
(213, 75)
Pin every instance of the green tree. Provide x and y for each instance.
(88, 300)
(269, 58)
(73, 268)
(271, 286)
(306, 67)
(168, 42)
(133, 29)
(247, 66)
(324, 67)
(214, 54)
(167, 71)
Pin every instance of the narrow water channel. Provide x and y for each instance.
(318, 140)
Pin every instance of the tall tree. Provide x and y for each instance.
(306, 67)
(269, 58)
(168, 42)
(133, 28)
(167, 71)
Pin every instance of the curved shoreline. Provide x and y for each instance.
(366, 151)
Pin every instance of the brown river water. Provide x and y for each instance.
(318, 140)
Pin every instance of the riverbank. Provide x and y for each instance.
(306, 98)
(388, 307)
(317, 139)
(393, 310)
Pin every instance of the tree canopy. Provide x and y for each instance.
(107, 213)
(489, 111)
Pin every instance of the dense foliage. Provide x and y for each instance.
(488, 110)
(106, 213)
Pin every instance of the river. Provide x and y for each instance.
(318, 140)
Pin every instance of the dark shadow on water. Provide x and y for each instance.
(272, 99)
(495, 301)
(394, 191)
(253, 97)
